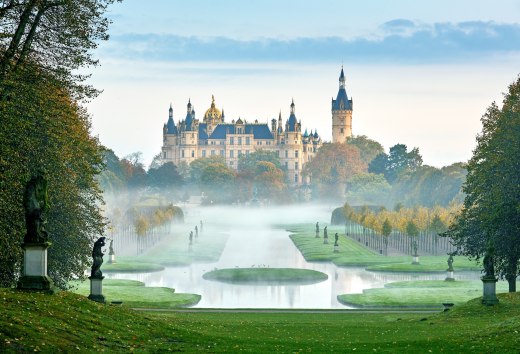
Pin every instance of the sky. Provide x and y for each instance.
(420, 73)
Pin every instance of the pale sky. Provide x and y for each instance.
(420, 73)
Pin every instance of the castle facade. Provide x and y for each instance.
(191, 138)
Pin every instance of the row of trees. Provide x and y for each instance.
(44, 127)
(401, 226)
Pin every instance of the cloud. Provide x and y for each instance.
(399, 40)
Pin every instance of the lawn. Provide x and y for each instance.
(134, 294)
(266, 276)
(67, 322)
(420, 293)
(127, 265)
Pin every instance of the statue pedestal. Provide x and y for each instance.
(317, 235)
(489, 297)
(325, 241)
(415, 260)
(34, 271)
(111, 258)
(336, 249)
(449, 276)
(96, 290)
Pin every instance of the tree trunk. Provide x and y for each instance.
(512, 283)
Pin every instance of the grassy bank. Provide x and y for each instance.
(353, 254)
(420, 293)
(133, 293)
(127, 265)
(68, 322)
(266, 276)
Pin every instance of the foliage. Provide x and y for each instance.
(368, 148)
(43, 128)
(56, 36)
(367, 188)
(249, 162)
(333, 165)
(165, 177)
(491, 213)
(396, 163)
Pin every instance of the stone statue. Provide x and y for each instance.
(336, 237)
(191, 238)
(414, 245)
(97, 256)
(196, 231)
(35, 202)
(201, 226)
(317, 228)
(489, 267)
(111, 248)
(325, 232)
(450, 263)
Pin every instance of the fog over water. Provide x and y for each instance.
(255, 241)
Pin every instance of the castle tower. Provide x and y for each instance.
(341, 113)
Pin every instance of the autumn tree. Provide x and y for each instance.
(332, 166)
(491, 213)
(368, 148)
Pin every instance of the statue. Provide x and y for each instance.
(111, 248)
(201, 226)
(414, 245)
(35, 202)
(336, 237)
(191, 238)
(325, 232)
(450, 263)
(317, 229)
(97, 256)
(489, 267)
(196, 231)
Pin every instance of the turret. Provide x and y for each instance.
(341, 113)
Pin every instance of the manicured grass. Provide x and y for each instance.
(130, 267)
(266, 275)
(423, 293)
(134, 294)
(353, 254)
(67, 322)
(313, 249)
(427, 264)
(174, 251)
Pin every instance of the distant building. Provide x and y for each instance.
(191, 139)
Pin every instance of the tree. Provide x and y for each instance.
(367, 188)
(218, 180)
(44, 128)
(249, 162)
(386, 231)
(269, 180)
(368, 148)
(57, 36)
(401, 161)
(164, 177)
(491, 214)
(332, 166)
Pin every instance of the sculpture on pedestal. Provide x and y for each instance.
(35, 202)
(97, 256)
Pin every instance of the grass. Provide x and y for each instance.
(130, 267)
(421, 293)
(68, 322)
(266, 275)
(134, 294)
(174, 251)
(353, 254)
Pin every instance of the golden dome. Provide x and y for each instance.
(213, 113)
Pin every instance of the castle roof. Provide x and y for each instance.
(259, 131)
(203, 131)
(342, 102)
(213, 113)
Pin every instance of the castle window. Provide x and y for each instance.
(286, 165)
(221, 152)
(212, 152)
(203, 153)
(295, 153)
(341, 130)
(164, 155)
(231, 153)
(296, 178)
(296, 166)
(247, 152)
(232, 140)
(305, 149)
(239, 140)
(286, 153)
(239, 153)
(248, 140)
(182, 153)
(192, 153)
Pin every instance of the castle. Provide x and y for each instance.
(191, 139)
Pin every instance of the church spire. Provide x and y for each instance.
(170, 111)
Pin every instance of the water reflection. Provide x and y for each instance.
(260, 246)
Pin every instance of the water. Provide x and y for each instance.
(252, 242)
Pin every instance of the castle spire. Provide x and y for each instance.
(342, 79)
(170, 111)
